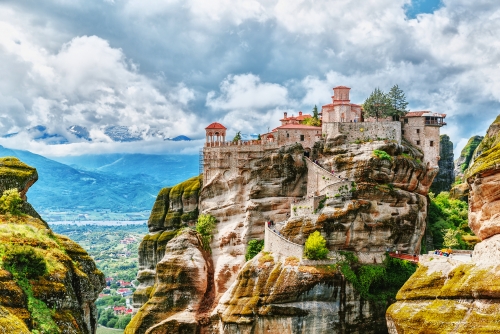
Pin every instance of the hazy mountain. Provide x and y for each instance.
(126, 183)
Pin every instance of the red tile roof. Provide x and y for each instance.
(215, 125)
(299, 126)
(423, 113)
(341, 87)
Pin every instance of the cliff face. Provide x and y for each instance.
(271, 296)
(241, 203)
(450, 296)
(465, 158)
(48, 283)
(446, 176)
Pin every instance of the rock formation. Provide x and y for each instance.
(446, 176)
(387, 210)
(463, 161)
(450, 296)
(271, 296)
(60, 299)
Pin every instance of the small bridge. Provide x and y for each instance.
(408, 257)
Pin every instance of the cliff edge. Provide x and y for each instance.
(48, 283)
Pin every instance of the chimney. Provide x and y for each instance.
(300, 113)
(285, 115)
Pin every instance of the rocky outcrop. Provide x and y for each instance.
(446, 176)
(270, 296)
(449, 296)
(183, 290)
(466, 155)
(59, 299)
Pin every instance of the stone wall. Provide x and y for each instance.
(317, 178)
(426, 138)
(306, 206)
(305, 137)
(281, 247)
(364, 130)
(333, 189)
(232, 159)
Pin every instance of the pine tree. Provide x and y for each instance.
(315, 112)
(398, 102)
(237, 136)
(377, 105)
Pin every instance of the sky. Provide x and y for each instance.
(171, 67)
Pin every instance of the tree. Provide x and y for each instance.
(398, 102)
(123, 321)
(205, 226)
(315, 112)
(237, 136)
(377, 105)
(315, 247)
(258, 138)
(11, 202)
(254, 247)
(450, 238)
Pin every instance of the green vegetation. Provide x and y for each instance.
(109, 319)
(315, 247)
(449, 217)
(378, 283)
(381, 105)
(205, 227)
(468, 151)
(24, 263)
(382, 155)
(254, 247)
(377, 105)
(237, 136)
(398, 102)
(314, 120)
(11, 202)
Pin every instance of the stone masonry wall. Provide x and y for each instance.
(424, 137)
(364, 130)
(317, 178)
(281, 247)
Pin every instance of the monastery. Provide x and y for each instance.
(339, 118)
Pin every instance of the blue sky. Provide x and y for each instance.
(171, 67)
(422, 7)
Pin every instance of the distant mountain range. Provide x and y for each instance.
(111, 182)
(116, 133)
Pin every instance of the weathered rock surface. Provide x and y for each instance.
(274, 297)
(466, 155)
(183, 290)
(448, 296)
(446, 176)
(71, 283)
(388, 206)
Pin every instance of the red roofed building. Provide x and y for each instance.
(216, 134)
(341, 109)
(294, 120)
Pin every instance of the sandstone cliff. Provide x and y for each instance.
(446, 176)
(463, 161)
(450, 296)
(60, 297)
(241, 203)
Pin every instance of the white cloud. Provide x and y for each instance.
(247, 92)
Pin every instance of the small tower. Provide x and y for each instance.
(341, 93)
(216, 134)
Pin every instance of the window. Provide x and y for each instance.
(406, 120)
(301, 137)
(402, 132)
(418, 130)
(432, 143)
(418, 142)
(288, 135)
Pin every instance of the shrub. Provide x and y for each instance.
(25, 260)
(315, 247)
(254, 247)
(382, 155)
(11, 202)
(205, 227)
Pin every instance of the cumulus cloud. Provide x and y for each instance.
(174, 66)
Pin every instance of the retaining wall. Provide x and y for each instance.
(317, 178)
(281, 247)
(364, 130)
